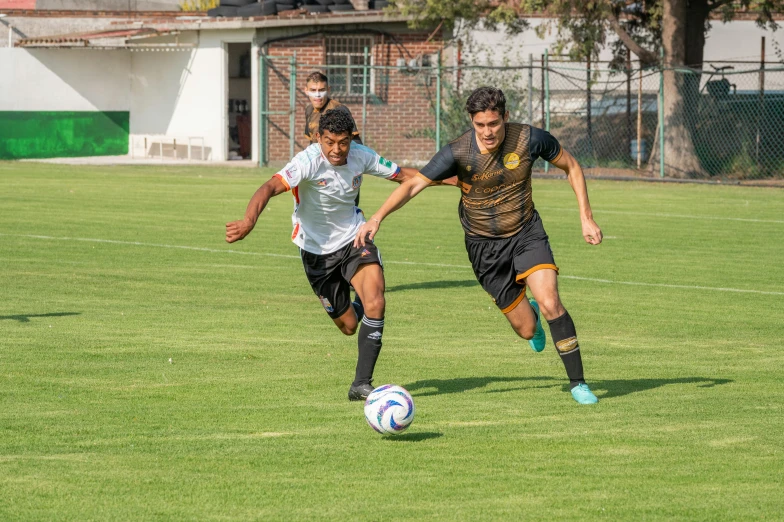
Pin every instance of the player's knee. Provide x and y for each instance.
(375, 306)
(525, 331)
(348, 329)
(551, 308)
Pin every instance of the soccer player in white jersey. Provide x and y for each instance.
(325, 179)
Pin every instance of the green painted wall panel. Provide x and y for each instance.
(63, 134)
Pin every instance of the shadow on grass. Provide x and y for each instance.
(430, 285)
(25, 318)
(604, 389)
(414, 437)
(621, 387)
(472, 383)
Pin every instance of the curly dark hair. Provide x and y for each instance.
(316, 77)
(486, 99)
(337, 122)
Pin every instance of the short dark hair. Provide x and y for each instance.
(486, 99)
(337, 122)
(316, 77)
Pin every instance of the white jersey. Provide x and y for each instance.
(325, 218)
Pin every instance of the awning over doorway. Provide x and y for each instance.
(112, 39)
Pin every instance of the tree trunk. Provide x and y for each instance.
(682, 23)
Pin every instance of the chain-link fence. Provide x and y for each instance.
(726, 121)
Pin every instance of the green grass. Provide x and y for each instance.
(249, 420)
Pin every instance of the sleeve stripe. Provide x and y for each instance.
(424, 177)
(282, 180)
(557, 156)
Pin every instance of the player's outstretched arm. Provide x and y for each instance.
(407, 173)
(237, 230)
(566, 162)
(401, 195)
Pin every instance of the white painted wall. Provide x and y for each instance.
(177, 94)
(740, 40)
(496, 47)
(737, 40)
(64, 80)
(185, 93)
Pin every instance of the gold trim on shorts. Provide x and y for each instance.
(515, 303)
(521, 277)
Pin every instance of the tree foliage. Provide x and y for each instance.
(198, 5)
(583, 27)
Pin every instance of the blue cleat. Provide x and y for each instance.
(539, 340)
(583, 394)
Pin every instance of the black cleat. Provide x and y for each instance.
(359, 392)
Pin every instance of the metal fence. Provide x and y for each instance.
(611, 120)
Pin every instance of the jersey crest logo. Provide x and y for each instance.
(468, 168)
(321, 182)
(357, 181)
(511, 161)
(326, 304)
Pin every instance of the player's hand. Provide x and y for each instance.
(237, 230)
(366, 233)
(591, 232)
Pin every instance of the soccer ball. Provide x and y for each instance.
(389, 409)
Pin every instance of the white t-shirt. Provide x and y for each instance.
(325, 218)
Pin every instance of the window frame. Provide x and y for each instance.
(339, 50)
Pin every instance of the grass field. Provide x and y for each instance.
(150, 371)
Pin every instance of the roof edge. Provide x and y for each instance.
(269, 22)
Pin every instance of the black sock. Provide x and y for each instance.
(369, 345)
(565, 338)
(358, 308)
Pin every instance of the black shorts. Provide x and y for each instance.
(330, 274)
(501, 265)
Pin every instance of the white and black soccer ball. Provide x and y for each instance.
(389, 409)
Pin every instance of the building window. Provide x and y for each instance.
(349, 53)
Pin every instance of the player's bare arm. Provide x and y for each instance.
(566, 162)
(407, 173)
(237, 230)
(402, 195)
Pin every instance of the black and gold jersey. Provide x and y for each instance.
(312, 119)
(496, 185)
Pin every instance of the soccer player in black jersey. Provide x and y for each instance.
(506, 242)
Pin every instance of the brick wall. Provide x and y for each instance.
(401, 105)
